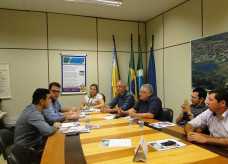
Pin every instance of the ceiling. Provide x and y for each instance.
(135, 10)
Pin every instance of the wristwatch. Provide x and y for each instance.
(191, 115)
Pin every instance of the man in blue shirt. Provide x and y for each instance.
(124, 99)
(32, 127)
(148, 106)
(55, 109)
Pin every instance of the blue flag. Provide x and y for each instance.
(152, 72)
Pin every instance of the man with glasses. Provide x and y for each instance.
(198, 106)
(148, 106)
(124, 99)
(55, 109)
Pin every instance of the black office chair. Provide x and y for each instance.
(17, 154)
(6, 139)
(168, 114)
(103, 96)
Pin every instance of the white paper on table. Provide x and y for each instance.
(158, 145)
(162, 124)
(130, 118)
(109, 117)
(69, 124)
(79, 129)
(115, 143)
(93, 110)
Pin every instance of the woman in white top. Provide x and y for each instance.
(93, 99)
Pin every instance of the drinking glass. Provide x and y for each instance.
(141, 123)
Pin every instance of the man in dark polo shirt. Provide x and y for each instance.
(124, 99)
(198, 106)
(148, 106)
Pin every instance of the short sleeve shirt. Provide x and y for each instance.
(152, 105)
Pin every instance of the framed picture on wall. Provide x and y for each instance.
(210, 61)
(73, 74)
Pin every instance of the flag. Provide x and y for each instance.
(132, 84)
(139, 69)
(115, 73)
(152, 72)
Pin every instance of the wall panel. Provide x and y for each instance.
(183, 23)
(215, 17)
(177, 77)
(71, 32)
(122, 31)
(155, 27)
(21, 29)
(28, 71)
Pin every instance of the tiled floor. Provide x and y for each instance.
(2, 161)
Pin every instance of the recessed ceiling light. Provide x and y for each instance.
(116, 3)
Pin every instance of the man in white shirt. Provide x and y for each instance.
(215, 118)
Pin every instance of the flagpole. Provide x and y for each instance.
(152, 42)
(114, 43)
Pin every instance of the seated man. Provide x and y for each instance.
(124, 99)
(215, 118)
(198, 106)
(32, 127)
(148, 106)
(55, 109)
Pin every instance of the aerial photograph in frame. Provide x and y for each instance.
(210, 62)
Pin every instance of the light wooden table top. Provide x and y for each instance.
(57, 151)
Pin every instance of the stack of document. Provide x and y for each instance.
(162, 124)
(76, 129)
(70, 124)
(129, 118)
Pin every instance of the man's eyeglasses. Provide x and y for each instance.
(55, 91)
(143, 92)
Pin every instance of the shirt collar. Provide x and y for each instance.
(148, 99)
(225, 114)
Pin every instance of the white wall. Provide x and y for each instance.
(173, 31)
(32, 42)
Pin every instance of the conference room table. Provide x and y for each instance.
(85, 147)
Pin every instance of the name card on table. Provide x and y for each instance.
(143, 154)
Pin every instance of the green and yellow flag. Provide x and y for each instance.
(132, 84)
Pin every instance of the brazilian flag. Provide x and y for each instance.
(132, 84)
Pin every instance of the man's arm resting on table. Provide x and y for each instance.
(132, 112)
(189, 128)
(201, 138)
(107, 109)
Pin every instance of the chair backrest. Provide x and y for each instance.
(6, 139)
(103, 96)
(18, 155)
(168, 114)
